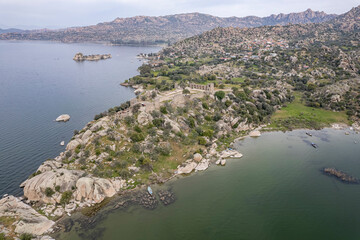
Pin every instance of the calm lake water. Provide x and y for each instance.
(38, 82)
(276, 191)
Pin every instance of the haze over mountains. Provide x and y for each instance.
(171, 28)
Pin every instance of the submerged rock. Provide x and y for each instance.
(166, 197)
(340, 175)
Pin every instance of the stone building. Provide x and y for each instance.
(208, 88)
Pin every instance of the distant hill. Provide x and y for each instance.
(11, 30)
(164, 29)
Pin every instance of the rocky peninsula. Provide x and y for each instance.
(79, 57)
(148, 140)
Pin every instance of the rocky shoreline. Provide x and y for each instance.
(62, 186)
(58, 188)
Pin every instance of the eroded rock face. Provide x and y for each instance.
(73, 144)
(34, 188)
(144, 118)
(187, 169)
(93, 189)
(26, 219)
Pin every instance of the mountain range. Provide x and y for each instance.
(163, 29)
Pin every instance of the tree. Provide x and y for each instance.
(144, 69)
(220, 95)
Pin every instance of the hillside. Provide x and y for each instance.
(322, 60)
(171, 28)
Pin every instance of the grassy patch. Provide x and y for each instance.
(297, 115)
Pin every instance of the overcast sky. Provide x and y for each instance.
(66, 13)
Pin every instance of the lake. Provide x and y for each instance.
(276, 191)
(40, 81)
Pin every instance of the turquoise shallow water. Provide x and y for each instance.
(276, 191)
(38, 82)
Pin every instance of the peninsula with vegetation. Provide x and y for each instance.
(194, 99)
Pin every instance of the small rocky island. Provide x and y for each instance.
(79, 57)
(340, 175)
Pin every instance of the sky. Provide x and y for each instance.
(31, 14)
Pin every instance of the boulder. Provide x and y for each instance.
(73, 144)
(197, 157)
(174, 125)
(26, 219)
(223, 162)
(86, 136)
(63, 118)
(34, 188)
(49, 165)
(187, 169)
(255, 133)
(203, 165)
(93, 189)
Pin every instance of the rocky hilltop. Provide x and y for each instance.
(164, 29)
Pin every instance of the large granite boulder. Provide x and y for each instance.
(73, 144)
(34, 188)
(93, 189)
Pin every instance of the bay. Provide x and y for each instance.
(38, 82)
(276, 191)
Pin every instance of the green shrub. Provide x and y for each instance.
(220, 95)
(158, 122)
(205, 105)
(186, 91)
(65, 197)
(26, 236)
(137, 137)
(163, 110)
(201, 141)
(97, 152)
(228, 103)
(49, 192)
(137, 128)
(2, 236)
(57, 188)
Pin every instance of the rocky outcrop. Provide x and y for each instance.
(63, 118)
(73, 144)
(25, 219)
(79, 57)
(255, 133)
(188, 168)
(94, 189)
(35, 188)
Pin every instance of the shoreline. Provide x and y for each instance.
(182, 170)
